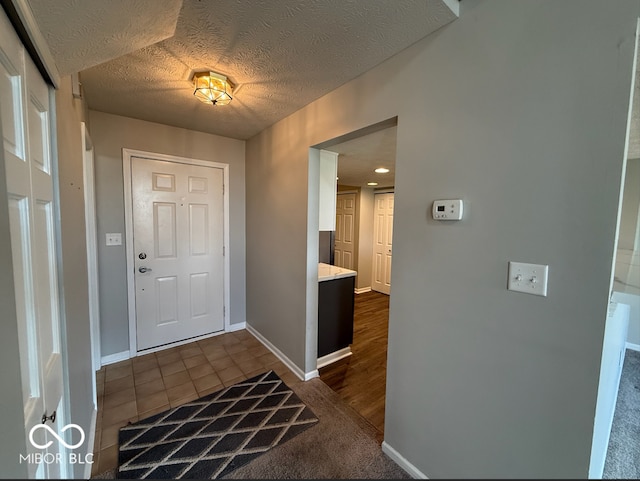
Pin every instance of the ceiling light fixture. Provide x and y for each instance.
(372, 183)
(212, 88)
(381, 170)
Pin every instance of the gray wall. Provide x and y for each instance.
(365, 238)
(69, 114)
(520, 109)
(110, 134)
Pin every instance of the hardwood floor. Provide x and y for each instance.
(360, 379)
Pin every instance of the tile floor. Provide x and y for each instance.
(146, 385)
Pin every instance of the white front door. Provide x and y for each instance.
(382, 243)
(345, 230)
(25, 124)
(178, 248)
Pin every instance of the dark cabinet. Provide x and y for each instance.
(335, 314)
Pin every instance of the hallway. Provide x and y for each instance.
(360, 379)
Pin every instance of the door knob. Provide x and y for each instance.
(142, 270)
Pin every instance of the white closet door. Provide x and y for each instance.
(25, 117)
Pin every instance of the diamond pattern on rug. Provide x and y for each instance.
(213, 435)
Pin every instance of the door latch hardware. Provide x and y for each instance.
(142, 270)
(51, 418)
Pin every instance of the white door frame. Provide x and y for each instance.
(88, 165)
(127, 155)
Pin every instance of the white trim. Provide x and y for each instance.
(362, 290)
(115, 357)
(334, 356)
(88, 172)
(35, 35)
(311, 375)
(127, 154)
(632, 346)
(90, 441)
(280, 355)
(401, 461)
(238, 326)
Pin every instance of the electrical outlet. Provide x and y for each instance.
(114, 239)
(529, 278)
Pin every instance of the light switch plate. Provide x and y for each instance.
(114, 239)
(529, 278)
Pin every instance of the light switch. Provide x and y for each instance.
(114, 239)
(529, 278)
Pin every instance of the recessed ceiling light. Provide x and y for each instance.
(381, 170)
(372, 183)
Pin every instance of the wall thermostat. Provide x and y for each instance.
(447, 209)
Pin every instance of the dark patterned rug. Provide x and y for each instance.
(214, 435)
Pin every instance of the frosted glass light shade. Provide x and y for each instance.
(212, 88)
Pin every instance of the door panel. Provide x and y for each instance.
(164, 224)
(198, 229)
(24, 112)
(178, 236)
(344, 248)
(382, 242)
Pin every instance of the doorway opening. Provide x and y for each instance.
(361, 241)
(620, 364)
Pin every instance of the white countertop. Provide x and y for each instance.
(327, 272)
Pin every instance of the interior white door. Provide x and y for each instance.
(345, 230)
(25, 124)
(179, 250)
(382, 242)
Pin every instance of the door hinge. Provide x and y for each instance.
(223, 188)
(224, 311)
(224, 251)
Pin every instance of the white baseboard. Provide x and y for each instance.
(311, 374)
(333, 357)
(90, 440)
(401, 461)
(236, 327)
(113, 358)
(632, 346)
(362, 290)
(305, 376)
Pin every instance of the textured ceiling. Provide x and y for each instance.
(283, 54)
(84, 33)
(361, 156)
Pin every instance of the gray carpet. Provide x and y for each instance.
(623, 453)
(341, 446)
